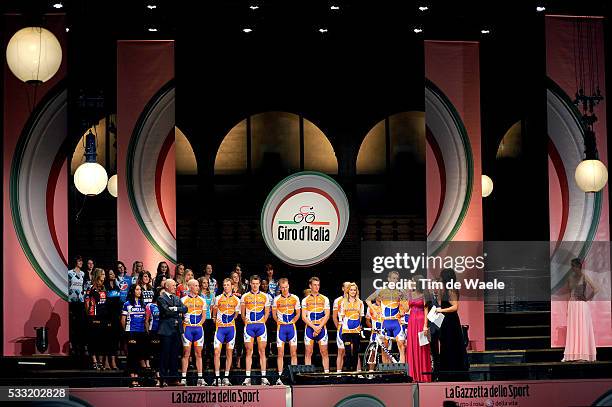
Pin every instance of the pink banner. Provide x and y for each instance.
(517, 394)
(254, 396)
(340, 395)
(452, 117)
(574, 46)
(146, 205)
(35, 205)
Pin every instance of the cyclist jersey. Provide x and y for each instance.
(95, 303)
(336, 306)
(210, 301)
(147, 295)
(314, 306)
(75, 286)
(227, 308)
(182, 290)
(351, 313)
(255, 305)
(377, 321)
(286, 308)
(124, 286)
(152, 311)
(196, 310)
(390, 304)
(134, 316)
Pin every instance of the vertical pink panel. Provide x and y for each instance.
(37, 304)
(144, 67)
(453, 67)
(562, 39)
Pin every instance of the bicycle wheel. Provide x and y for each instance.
(371, 356)
(298, 218)
(310, 218)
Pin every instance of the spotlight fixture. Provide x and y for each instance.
(151, 6)
(254, 7)
(423, 8)
(58, 5)
(539, 9)
(67, 29)
(334, 7)
(152, 29)
(417, 30)
(323, 30)
(247, 30)
(485, 31)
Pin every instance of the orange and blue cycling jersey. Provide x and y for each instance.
(390, 312)
(196, 310)
(285, 308)
(227, 309)
(390, 304)
(193, 332)
(314, 306)
(255, 305)
(377, 322)
(351, 313)
(336, 307)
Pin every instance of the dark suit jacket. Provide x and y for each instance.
(170, 321)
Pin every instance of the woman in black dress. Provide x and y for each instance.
(452, 348)
(113, 305)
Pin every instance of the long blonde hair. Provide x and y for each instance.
(345, 300)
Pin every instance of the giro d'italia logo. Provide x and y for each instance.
(304, 218)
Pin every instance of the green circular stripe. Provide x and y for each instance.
(598, 199)
(465, 140)
(145, 115)
(14, 198)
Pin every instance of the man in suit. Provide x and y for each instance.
(171, 311)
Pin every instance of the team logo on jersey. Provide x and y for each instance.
(304, 218)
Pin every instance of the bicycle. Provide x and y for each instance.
(308, 215)
(374, 350)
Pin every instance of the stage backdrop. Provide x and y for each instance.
(579, 222)
(35, 205)
(146, 205)
(454, 203)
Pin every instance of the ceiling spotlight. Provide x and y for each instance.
(151, 6)
(334, 7)
(58, 5)
(67, 29)
(254, 7)
(423, 8)
(323, 30)
(247, 30)
(539, 9)
(418, 30)
(485, 31)
(152, 29)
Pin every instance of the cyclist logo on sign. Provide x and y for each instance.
(305, 214)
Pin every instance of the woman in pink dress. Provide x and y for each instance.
(579, 339)
(417, 356)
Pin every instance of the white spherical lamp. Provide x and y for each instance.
(90, 178)
(591, 175)
(487, 186)
(112, 185)
(34, 55)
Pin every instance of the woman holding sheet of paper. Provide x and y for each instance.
(452, 350)
(417, 345)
